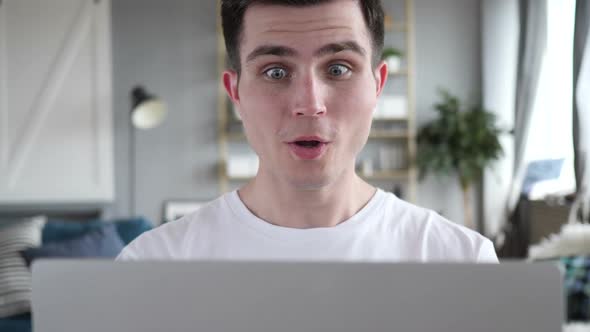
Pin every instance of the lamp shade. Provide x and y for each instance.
(147, 110)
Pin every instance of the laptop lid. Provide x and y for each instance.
(93, 296)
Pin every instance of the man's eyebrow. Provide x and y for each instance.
(327, 49)
(339, 47)
(270, 50)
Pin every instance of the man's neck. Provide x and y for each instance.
(282, 205)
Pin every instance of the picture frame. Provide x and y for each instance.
(175, 209)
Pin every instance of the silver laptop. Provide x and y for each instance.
(99, 296)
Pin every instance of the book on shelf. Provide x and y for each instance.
(391, 107)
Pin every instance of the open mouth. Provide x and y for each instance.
(308, 148)
(308, 144)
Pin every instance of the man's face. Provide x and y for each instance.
(307, 89)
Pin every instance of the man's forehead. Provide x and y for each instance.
(277, 24)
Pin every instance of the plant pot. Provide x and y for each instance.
(394, 64)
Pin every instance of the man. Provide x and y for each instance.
(305, 76)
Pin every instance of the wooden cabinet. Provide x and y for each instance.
(55, 102)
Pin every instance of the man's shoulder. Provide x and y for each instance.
(168, 241)
(410, 215)
(439, 236)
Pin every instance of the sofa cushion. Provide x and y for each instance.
(59, 230)
(129, 229)
(102, 242)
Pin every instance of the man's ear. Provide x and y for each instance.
(230, 82)
(380, 76)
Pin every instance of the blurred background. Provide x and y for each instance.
(112, 110)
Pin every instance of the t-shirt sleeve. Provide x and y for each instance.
(149, 245)
(126, 255)
(487, 253)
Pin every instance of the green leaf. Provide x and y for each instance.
(458, 141)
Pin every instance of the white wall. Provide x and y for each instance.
(170, 47)
(448, 56)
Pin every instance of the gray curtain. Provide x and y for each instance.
(531, 48)
(581, 121)
(511, 241)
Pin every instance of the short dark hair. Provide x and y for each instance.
(232, 18)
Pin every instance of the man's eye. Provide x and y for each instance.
(338, 70)
(276, 73)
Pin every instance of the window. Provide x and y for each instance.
(550, 133)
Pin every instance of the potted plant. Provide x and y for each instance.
(459, 142)
(393, 58)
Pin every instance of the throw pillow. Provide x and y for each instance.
(59, 230)
(15, 277)
(101, 242)
(129, 229)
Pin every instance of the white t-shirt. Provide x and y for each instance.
(385, 229)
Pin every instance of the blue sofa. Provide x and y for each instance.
(58, 231)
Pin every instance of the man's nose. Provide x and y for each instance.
(308, 94)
